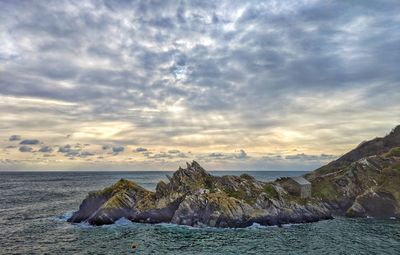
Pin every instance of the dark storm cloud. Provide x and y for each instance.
(30, 141)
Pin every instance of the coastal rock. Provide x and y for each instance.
(374, 147)
(123, 199)
(363, 183)
(374, 204)
(212, 209)
(367, 187)
(194, 197)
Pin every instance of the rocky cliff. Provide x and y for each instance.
(362, 183)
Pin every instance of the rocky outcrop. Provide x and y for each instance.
(373, 147)
(123, 199)
(367, 187)
(374, 204)
(194, 197)
(363, 183)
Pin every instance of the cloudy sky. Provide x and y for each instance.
(148, 85)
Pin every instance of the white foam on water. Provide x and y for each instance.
(123, 222)
(291, 225)
(258, 226)
(64, 217)
(254, 226)
(172, 225)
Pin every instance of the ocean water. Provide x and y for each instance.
(34, 207)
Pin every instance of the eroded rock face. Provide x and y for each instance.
(374, 204)
(194, 197)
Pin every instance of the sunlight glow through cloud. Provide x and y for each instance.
(232, 84)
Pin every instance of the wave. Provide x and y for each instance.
(64, 217)
(254, 226)
(123, 222)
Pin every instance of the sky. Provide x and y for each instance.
(235, 85)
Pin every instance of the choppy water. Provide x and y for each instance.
(34, 206)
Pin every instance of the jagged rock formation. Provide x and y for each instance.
(362, 183)
(194, 197)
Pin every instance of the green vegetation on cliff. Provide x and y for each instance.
(395, 152)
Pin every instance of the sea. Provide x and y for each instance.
(34, 207)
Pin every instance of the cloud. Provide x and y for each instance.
(64, 149)
(205, 76)
(147, 153)
(166, 155)
(160, 155)
(216, 155)
(30, 141)
(25, 148)
(46, 149)
(272, 157)
(14, 138)
(140, 149)
(118, 149)
(302, 156)
(77, 153)
(242, 155)
(180, 155)
(86, 154)
(74, 151)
